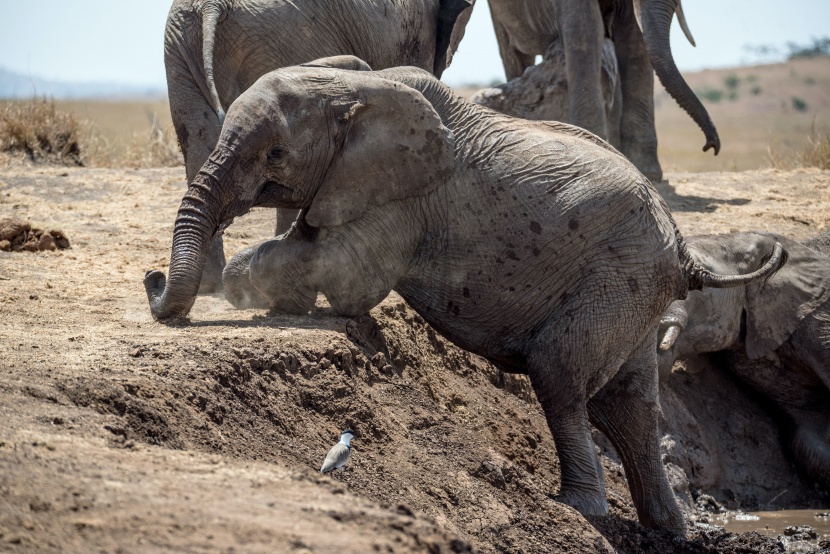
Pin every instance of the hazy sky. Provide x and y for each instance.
(115, 40)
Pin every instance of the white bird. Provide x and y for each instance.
(338, 456)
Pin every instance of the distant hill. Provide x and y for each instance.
(18, 85)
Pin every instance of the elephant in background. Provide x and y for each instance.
(541, 92)
(785, 320)
(639, 30)
(215, 49)
(534, 244)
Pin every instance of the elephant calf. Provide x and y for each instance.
(534, 244)
(787, 318)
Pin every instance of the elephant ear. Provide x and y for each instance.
(774, 309)
(395, 146)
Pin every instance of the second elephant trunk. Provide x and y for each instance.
(654, 18)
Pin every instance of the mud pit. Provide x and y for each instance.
(122, 433)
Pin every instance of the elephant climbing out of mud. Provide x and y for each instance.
(639, 30)
(534, 244)
(786, 319)
(215, 49)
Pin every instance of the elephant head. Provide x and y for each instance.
(763, 314)
(332, 142)
(654, 18)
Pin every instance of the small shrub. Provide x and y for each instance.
(756, 90)
(799, 105)
(732, 81)
(733, 95)
(713, 95)
(40, 131)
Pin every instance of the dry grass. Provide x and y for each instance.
(42, 132)
(95, 134)
(817, 152)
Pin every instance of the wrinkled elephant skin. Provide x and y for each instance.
(215, 49)
(534, 244)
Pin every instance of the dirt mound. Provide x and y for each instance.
(119, 432)
(17, 235)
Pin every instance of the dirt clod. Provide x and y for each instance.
(17, 235)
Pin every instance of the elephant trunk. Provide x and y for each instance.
(654, 18)
(195, 226)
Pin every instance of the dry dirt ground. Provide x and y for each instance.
(121, 434)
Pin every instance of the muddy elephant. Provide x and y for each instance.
(534, 244)
(215, 49)
(639, 30)
(777, 333)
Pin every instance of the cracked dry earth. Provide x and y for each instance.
(121, 434)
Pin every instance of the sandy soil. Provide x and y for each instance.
(123, 434)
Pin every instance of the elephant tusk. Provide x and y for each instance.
(670, 337)
(683, 25)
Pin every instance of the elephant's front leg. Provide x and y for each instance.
(281, 274)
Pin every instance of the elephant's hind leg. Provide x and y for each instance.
(626, 409)
(561, 391)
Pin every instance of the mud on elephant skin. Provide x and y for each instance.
(639, 30)
(776, 334)
(508, 236)
(215, 49)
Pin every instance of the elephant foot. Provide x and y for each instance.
(666, 516)
(586, 503)
(644, 158)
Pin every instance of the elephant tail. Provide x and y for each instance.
(212, 12)
(698, 277)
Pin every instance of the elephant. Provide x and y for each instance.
(639, 30)
(541, 92)
(782, 327)
(215, 49)
(533, 244)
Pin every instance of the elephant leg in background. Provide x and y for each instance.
(638, 136)
(514, 61)
(626, 410)
(582, 31)
(197, 132)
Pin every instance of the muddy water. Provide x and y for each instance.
(772, 524)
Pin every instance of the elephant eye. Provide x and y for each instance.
(276, 154)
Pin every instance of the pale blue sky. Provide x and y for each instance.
(119, 41)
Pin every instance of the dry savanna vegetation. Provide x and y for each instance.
(775, 115)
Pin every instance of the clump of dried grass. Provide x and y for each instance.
(42, 133)
(817, 151)
(158, 147)
(814, 153)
